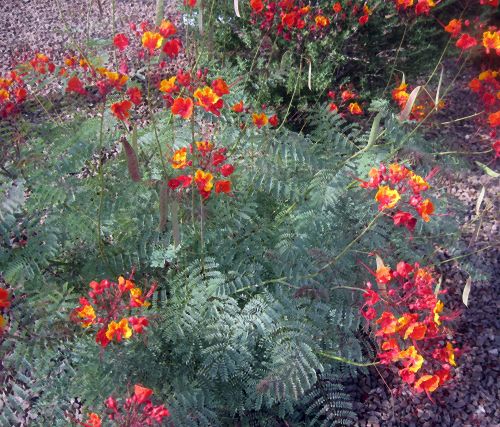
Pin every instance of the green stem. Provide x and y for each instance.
(153, 122)
(395, 61)
(346, 248)
(293, 95)
(344, 360)
(101, 181)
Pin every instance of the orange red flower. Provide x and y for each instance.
(183, 107)
(4, 298)
(466, 42)
(238, 108)
(142, 394)
(138, 323)
(454, 27)
(75, 85)
(179, 159)
(118, 330)
(93, 420)
(257, 5)
(425, 208)
(259, 119)
(427, 383)
(172, 48)
(134, 95)
(167, 29)
(491, 41)
(121, 41)
(494, 119)
(220, 87)
(386, 197)
(109, 303)
(355, 109)
(121, 110)
(152, 41)
(223, 186)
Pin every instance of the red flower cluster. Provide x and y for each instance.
(42, 64)
(199, 93)
(4, 303)
(12, 94)
(421, 7)
(478, 34)
(111, 301)
(412, 314)
(294, 17)
(134, 411)
(487, 87)
(404, 182)
(344, 99)
(208, 162)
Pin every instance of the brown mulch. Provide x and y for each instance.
(40, 25)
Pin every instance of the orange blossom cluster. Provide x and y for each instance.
(134, 411)
(109, 309)
(393, 183)
(410, 329)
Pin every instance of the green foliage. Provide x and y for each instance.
(239, 318)
(369, 56)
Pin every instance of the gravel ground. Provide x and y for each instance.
(30, 25)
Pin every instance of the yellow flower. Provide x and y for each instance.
(415, 358)
(119, 330)
(322, 21)
(491, 40)
(487, 75)
(151, 40)
(87, 312)
(438, 308)
(418, 183)
(4, 95)
(179, 159)
(204, 180)
(387, 197)
(135, 297)
(168, 85)
(206, 96)
(451, 354)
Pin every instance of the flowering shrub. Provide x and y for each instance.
(404, 182)
(209, 98)
(481, 38)
(134, 411)
(345, 99)
(419, 7)
(108, 310)
(208, 161)
(252, 303)
(411, 328)
(298, 19)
